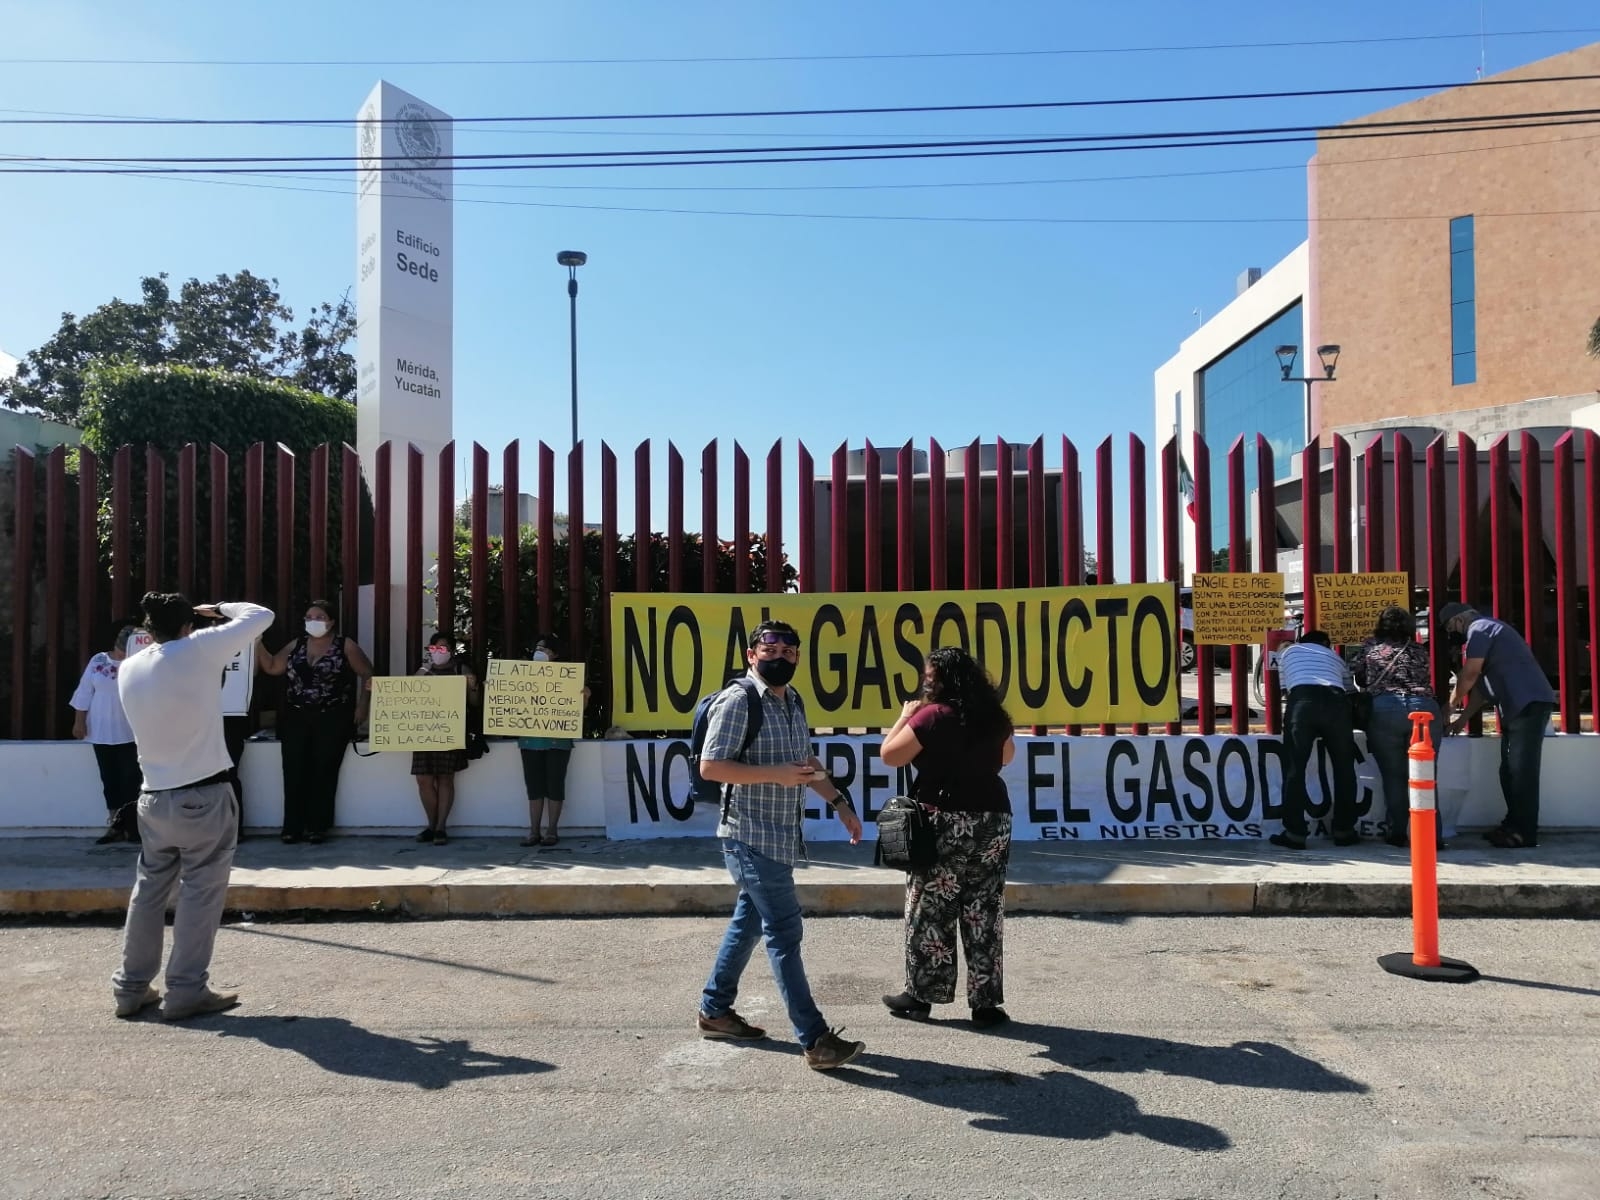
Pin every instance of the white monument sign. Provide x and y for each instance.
(404, 304)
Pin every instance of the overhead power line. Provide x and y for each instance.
(347, 193)
(833, 151)
(882, 110)
(1073, 51)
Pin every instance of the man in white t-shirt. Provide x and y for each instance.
(188, 815)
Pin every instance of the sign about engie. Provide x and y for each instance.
(1236, 609)
(418, 712)
(1059, 656)
(533, 699)
(1160, 789)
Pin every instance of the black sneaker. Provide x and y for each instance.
(109, 836)
(908, 1006)
(290, 839)
(1289, 841)
(425, 836)
(1348, 837)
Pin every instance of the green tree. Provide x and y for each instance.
(236, 323)
(1594, 340)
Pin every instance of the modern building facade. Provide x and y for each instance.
(1459, 268)
(1225, 382)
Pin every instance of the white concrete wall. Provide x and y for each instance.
(53, 788)
(50, 787)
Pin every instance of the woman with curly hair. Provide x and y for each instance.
(1394, 669)
(960, 736)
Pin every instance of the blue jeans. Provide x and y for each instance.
(767, 906)
(1389, 739)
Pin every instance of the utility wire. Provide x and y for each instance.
(491, 160)
(774, 58)
(1011, 106)
(347, 193)
(1342, 135)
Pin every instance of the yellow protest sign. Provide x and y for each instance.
(1348, 605)
(1236, 609)
(533, 699)
(419, 712)
(1059, 656)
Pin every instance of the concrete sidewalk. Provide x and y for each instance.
(494, 876)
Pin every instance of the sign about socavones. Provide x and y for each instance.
(533, 699)
(1236, 609)
(419, 712)
(1348, 605)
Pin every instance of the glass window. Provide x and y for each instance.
(1463, 302)
(1243, 393)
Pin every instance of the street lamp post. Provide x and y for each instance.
(572, 260)
(1329, 357)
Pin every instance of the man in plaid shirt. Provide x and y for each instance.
(761, 837)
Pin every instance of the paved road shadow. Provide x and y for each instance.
(1055, 1104)
(1067, 1104)
(344, 1048)
(1243, 1064)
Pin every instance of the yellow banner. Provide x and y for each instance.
(1059, 656)
(419, 712)
(533, 699)
(1236, 609)
(1348, 605)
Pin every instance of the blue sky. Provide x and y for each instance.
(693, 325)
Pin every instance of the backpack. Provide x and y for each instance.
(907, 840)
(705, 791)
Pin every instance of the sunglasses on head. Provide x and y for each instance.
(772, 637)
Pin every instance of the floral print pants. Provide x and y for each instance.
(965, 888)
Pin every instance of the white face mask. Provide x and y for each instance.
(541, 656)
(318, 628)
(439, 655)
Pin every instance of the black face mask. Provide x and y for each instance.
(775, 672)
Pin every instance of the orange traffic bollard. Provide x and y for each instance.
(1424, 962)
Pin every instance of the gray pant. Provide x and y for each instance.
(189, 835)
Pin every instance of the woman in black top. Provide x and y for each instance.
(325, 698)
(960, 737)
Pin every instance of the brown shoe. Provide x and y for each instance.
(207, 1002)
(729, 1027)
(830, 1051)
(129, 1007)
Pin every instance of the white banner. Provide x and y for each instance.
(238, 683)
(1075, 789)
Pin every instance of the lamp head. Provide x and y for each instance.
(1330, 359)
(572, 258)
(1286, 356)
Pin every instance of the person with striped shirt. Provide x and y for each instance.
(1318, 685)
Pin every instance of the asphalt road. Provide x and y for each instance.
(1148, 1058)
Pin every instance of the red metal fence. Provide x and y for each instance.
(75, 561)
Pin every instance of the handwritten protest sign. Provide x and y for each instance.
(1236, 609)
(1348, 605)
(533, 699)
(419, 712)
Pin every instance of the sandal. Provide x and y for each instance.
(1507, 839)
(440, 838)
(550, 839)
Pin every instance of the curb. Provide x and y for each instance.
(446, 899)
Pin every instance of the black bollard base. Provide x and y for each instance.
(1449, 970)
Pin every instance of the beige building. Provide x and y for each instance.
(1460, 270)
